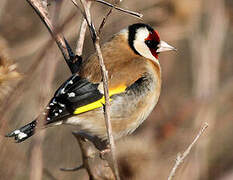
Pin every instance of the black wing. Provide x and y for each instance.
(74, 93)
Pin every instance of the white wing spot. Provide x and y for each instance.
(22, 135)
(71, 82)
(17, 131)
(63, 91)
(72, 94)
(60, 110)
(51, 104)
(56, 114)
(62, 105)
(48, 118)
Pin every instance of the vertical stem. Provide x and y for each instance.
(104, 73)
(82, 32)
(107, 109)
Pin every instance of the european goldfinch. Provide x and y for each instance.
(131, 59)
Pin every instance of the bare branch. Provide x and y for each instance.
(106, 16)
(43, 14)
(180, 157)
(95, 39)
(132, 13)
(104, 20)
(78, 51)
(80, 41)
(82, 32)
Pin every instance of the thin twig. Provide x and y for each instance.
(80, 41)
(104, 20)
(82, 32)
(41, 12)
(180, 157)
(132, 13)
(106, 16)
(84, 150)
(95, 39)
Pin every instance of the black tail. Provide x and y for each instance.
(24, 132)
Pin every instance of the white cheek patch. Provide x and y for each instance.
(140, 46)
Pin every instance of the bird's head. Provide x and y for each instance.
(145, 41)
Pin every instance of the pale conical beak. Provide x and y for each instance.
(163, 46)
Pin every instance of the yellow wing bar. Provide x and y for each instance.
(99, 102)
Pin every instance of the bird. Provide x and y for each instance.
(134, 79)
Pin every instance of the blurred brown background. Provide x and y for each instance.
(197, 88)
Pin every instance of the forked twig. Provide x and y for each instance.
(180, 157)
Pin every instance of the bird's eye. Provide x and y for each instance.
(151, 44)
(148, 42)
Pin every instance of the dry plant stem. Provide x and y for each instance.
(41, 12)
(82, 32)
(84, 151)
(132, 13)
(107, 109)
(180, 157)
(106, 17)
(104, 20)
(80, 42)
(95, 39)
